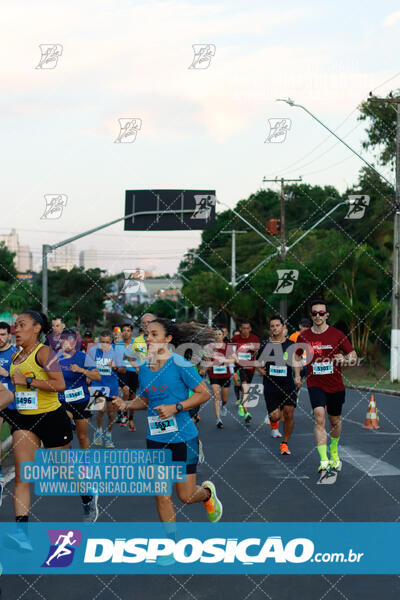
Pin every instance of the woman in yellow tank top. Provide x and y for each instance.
(40, 417)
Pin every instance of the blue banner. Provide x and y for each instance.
(222, 548)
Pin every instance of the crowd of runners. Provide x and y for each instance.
(54, 382)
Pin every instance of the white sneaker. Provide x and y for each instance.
(201, 453)
(223, 410)
(275, 433)
(108, 443)
(91, 510)
(98, 437)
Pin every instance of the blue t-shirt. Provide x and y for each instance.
(76, 388)
(121, 351)
(5, 362)
(170, 385)
(102, 361)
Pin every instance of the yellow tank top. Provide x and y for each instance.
(139, 345)
(45, 401)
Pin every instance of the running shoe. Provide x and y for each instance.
(131, 425)
(241, 411)
(284, 448)
(213, 504)
(224, 410)
(124, 421)
(335, 463)
(2, 484)
(275, 433)
(98, 437)
(247, 417)
(119, 417)
(20, 541)
(91, 510)
(219, 424)
(324, 466)
(201, 453)
(196, 418)
(108, 443)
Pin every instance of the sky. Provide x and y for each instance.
(200, 128)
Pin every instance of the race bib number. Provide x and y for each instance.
(278, 371)
(26, 400)
(323, 368)
(244, 355)
(220, 370)
(104, 370)
(74, 395)
(159, 426)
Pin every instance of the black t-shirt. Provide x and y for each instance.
(279, 373)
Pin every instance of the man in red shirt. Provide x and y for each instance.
(247, 344)
(328, 350)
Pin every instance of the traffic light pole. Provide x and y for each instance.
(283, 249)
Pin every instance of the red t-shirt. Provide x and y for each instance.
(220, 370)
(322, 371)
(245, 355)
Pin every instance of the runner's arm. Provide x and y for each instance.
(55, 381)
(138, 403)
(200, 396)
(6, 397)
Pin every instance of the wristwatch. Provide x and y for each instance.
(28, 382)
(179, 407)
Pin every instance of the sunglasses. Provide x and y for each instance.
(321, 313)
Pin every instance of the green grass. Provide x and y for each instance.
(5, 432)
(363, 376)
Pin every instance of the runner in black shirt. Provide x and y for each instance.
(279, 388)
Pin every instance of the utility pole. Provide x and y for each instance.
(395, 336)
(282, 254)
(233, 270)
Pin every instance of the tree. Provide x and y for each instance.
(381, 130)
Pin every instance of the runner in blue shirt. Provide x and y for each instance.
(10, 413)
(165, 381)
(77, 368)
(108, 363)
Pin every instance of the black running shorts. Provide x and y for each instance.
(129, 379)
(222, 381)
(53, 428)
(333, 402)
(187, 452)
(279, 398)
(78, 410)
(246, 375)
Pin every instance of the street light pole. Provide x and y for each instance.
(395, 333)
(282, 254)
(233, 270)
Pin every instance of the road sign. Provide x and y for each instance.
(168, 210)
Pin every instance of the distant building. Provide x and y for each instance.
(88, 258)
(149, 290)
(64, 257)
(23, 255)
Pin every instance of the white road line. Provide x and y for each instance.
(372, 466)
(9, 476)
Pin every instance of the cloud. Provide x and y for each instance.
(392, 19)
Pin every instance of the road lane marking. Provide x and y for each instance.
(371, 465)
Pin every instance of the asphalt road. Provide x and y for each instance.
(255, 484)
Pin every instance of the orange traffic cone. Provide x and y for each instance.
(371, 419)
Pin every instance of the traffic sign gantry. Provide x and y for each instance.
(168, 210)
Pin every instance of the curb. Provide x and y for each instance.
(362, 388)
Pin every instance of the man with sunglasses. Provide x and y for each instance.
(328, 350)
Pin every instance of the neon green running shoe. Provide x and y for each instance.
(213, 504)
(241, 412)
(336, 463)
